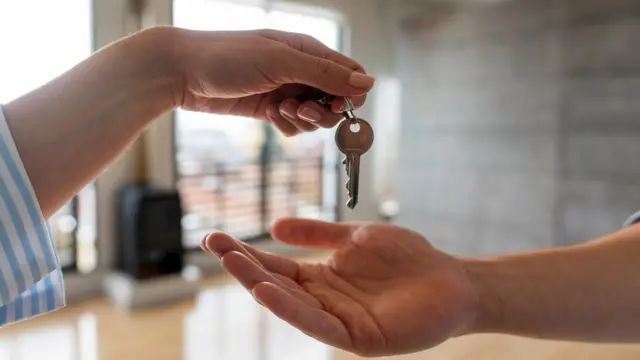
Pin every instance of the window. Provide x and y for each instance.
(238, 175)
(36, 47)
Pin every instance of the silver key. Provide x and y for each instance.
(354, 138)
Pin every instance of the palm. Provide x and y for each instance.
(374, 295)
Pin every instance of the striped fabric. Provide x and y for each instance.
(633, 220)
(30, 275)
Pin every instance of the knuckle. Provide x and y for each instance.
(308, 38)
(324, 66)
(281, 48)
(272, 34)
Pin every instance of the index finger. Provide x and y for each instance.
(340, 105)
(221, 244)
(312, 46)
(313, 233)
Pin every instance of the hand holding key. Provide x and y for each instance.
(264, 74)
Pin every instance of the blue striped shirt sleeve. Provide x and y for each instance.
(633, 220)
(31, 281)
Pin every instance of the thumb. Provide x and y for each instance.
(312, 233)
(326, 75)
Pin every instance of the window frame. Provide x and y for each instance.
(73, 266)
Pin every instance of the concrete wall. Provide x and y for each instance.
(520, 124)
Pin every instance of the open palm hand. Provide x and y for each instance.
(385, 290)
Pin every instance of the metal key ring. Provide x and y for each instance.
(349, 112)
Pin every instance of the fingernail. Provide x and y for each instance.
(272, 113)
(289, 112)
(310, 115)
(361, 80)
(203, 243)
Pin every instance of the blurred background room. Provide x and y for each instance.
(501, 126)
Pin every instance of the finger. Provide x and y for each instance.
(220, 244)
(275, 263)
(312, 46)
(289, 110)
(313, 233)
(312, 321)
(283, 125)
(249, 273)
(283, 269)
(340, 105)
(316, 113)
(302, 125)
(326, 75)
(246, 271)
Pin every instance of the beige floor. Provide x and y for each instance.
(224, 323)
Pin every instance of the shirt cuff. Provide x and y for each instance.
(633, 220)
(31, 281)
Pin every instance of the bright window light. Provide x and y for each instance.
(40, 40)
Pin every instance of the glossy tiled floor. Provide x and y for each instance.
(224, 323)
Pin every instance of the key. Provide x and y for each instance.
(354, 138)
(346, 170)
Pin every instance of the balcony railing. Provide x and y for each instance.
(244, 201)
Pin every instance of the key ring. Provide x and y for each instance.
(349, 112)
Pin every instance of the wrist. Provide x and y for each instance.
(156, 63)
(483, 274)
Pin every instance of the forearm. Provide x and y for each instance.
(68, 130)
(588, 292)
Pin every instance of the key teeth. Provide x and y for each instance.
(351, 204)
